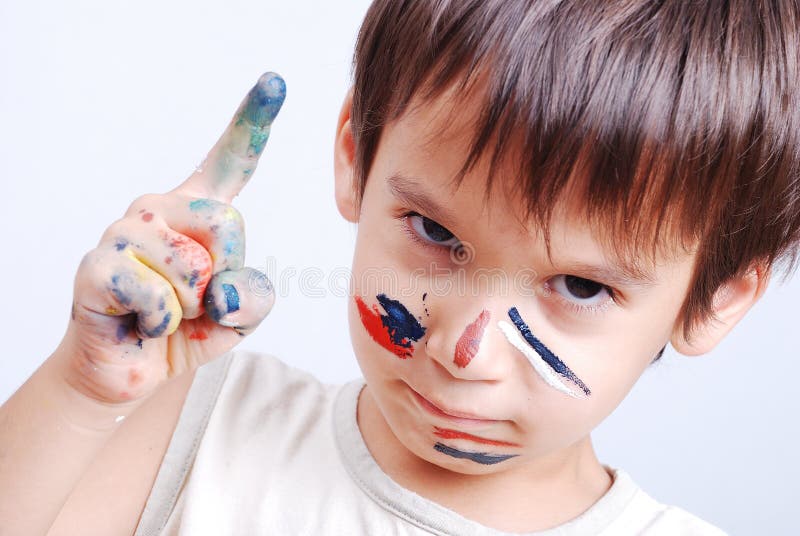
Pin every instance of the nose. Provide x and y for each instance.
(469, 345)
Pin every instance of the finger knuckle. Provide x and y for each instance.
(143, 203)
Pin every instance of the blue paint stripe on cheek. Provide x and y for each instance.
(549, 357)
(477, 457)
(231, 297)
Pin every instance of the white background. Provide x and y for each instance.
(103, 101)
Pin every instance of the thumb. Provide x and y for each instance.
(239, 299)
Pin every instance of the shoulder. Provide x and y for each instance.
(674, 520)
(261, 392)
(647, 516)
(264, 379)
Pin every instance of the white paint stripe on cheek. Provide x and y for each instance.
(544, 370)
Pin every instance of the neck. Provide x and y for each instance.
(542, 494)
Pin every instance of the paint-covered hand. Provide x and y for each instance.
(165, 291)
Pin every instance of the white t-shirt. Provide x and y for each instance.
(263, 448)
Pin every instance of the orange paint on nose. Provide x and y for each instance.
(469, 342)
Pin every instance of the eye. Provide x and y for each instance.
(583, 292)
(430, 231)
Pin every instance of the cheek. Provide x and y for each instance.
(615, 361)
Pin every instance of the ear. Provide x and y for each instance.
(731, 302)
(344, 151)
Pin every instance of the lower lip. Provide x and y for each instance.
(435, 411)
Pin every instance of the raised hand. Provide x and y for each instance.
(165, 290)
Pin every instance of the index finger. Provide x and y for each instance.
(234, 157)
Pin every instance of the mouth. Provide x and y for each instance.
(453, 416)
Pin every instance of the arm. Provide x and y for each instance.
(49, 434)
(125, 468)
(164, 292)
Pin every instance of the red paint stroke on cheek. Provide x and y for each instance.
(469, 342)
(371, 318)
(198, 335)
(455, 434)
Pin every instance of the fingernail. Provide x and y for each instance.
(239, 299)
(259, 284)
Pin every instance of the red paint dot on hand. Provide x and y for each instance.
(168, 260)
(147, 216)
(198, 335)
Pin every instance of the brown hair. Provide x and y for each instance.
(667, 118)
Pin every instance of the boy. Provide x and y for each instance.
(638, 164)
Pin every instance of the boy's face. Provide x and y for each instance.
(455, 303)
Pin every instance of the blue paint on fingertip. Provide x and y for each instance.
(231, 297)
(218, 310)
(477, 457)
(265, 100)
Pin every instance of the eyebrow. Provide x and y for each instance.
(622, 275)
(410, 191)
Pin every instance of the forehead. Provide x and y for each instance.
(424, 151)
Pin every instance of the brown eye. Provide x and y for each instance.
(580, 290)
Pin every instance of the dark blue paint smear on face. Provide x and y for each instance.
(549, 357)
(403, 327)
(477, 457)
